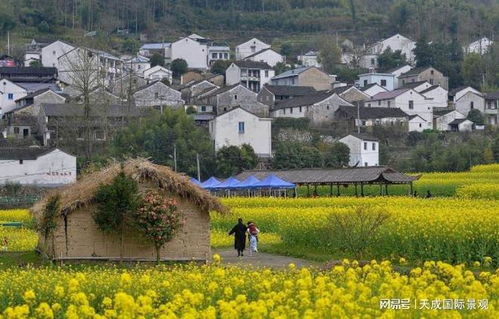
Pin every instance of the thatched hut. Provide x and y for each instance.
(77, 236)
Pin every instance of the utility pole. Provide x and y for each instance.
(175, 156)
(199, 168)
(358, 118)
(8, 43)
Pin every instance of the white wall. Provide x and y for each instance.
(417, 124)
(193, 52)
(372, 91)
(464, 91)
(232, 75)
(369, 78)
(269, 56)
(439, 97)
(249, 47)
(51, 53)
(15, 91)
(361, 151)
(52, 169)
(442, 122)
(463, 105)
(158, 73)
(224, 130)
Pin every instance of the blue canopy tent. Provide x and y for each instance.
(273, 181)
(195, 181)
(227, 185)
(248, 182)
(210, 183)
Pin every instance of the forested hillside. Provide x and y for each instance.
(360, 20)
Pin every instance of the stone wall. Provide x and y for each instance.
(315, 78)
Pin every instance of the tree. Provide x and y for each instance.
(179, 67)
(116, 205)
(131, 45)
(423, 53)
(473, 70)
(232, 159)
(390, 59)
(286, 49)
(158, 136)
(281, 67)
(329, 55)
(476, 117)
(35, 64)
(297, 155)
(158, 219)
(219, 66)
(44, 27)
(338, 156)
(157, 59)
(7, 22)
(495, 148)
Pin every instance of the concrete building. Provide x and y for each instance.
(51, 53)
(385, 80)
(238, 127)
(437, 94)
(268, 56)
(373, 89)
(491, 108)
(430, 74)
(250, 47)
(304, 76)
(251, 74)
(272, 94)
(311, 58)
(157, 95)
(157, 73)
(470, 101)
(364, 150)
(37, 166)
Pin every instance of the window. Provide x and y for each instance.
(431, 81)
(389, 103)
(383, 82)
(21, 162)
(284, 111)
(53, 52)
(363, 123)
(235, 97)
(374, 146)
(411, 105)
(156, 95)
(472, 105)
(213, 55)
(290, 110)
(293, 81)
(365, 164)
(16, 130)
(266, 73)
(226, 56)
(300, 109)
(220, 55)
(368, 104)
(25, 132)
(365, 82)
(365, 146)
(10, 96)
(241, 127)
(372, 62)
(379, 103)
(431, 72)
(420, 125)
(203, 108)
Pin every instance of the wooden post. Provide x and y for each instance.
(315, 190)
(308, 190)
(386, 189)
(337, 189)
(412, 192)
(362, 189)
(356, 192)
(331, 190)
(380, 189)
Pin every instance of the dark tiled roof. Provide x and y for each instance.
(253, 65)
(304, 100)
(365, 137)
(77, 110)
(367, 87)
(412, 85)
(28, 71)
(414, 71)
(441, 111)
(32, 95)
(389, 95)
(431, 88)
(257, 53)
(492, 96)
(411, 117)
(220, 91)
(23, 153)
(289, 90)
(294, 72)
(371, 112)
(394, 69)
(457, 121)
(458, 89)
(338, 176)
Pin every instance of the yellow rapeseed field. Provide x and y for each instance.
(348, 290)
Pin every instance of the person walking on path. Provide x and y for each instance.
(239, 231)
(253, 237)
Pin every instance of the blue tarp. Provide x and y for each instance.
(272, 181)
(195, 181)
(248, 182)
(229, 183)
(210, 183)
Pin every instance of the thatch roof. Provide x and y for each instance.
(82, 193)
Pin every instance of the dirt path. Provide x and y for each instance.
(229, 256)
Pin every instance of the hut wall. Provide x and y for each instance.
(84, 239)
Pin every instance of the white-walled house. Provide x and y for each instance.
(417, 86)
(373, 89)
(311, 58)
(250, 47)
(37, 166)
(457, 93)
(138, 64)
(51, 53)
(470, 101)
(408, 100)
(268, 56)
(238, 127)
(158, 73)
(399, 70)
(192, 50)
(396, 42)
(417, 123)
(9, 93)
(443, 118)
(251, 74)
(385, 80)
(364, 150)
(437, 94)
(218, 52)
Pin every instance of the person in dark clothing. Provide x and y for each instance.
(239, 232)
(429, 195)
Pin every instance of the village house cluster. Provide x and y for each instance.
(238, 107)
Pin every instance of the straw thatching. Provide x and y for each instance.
(82, 193)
